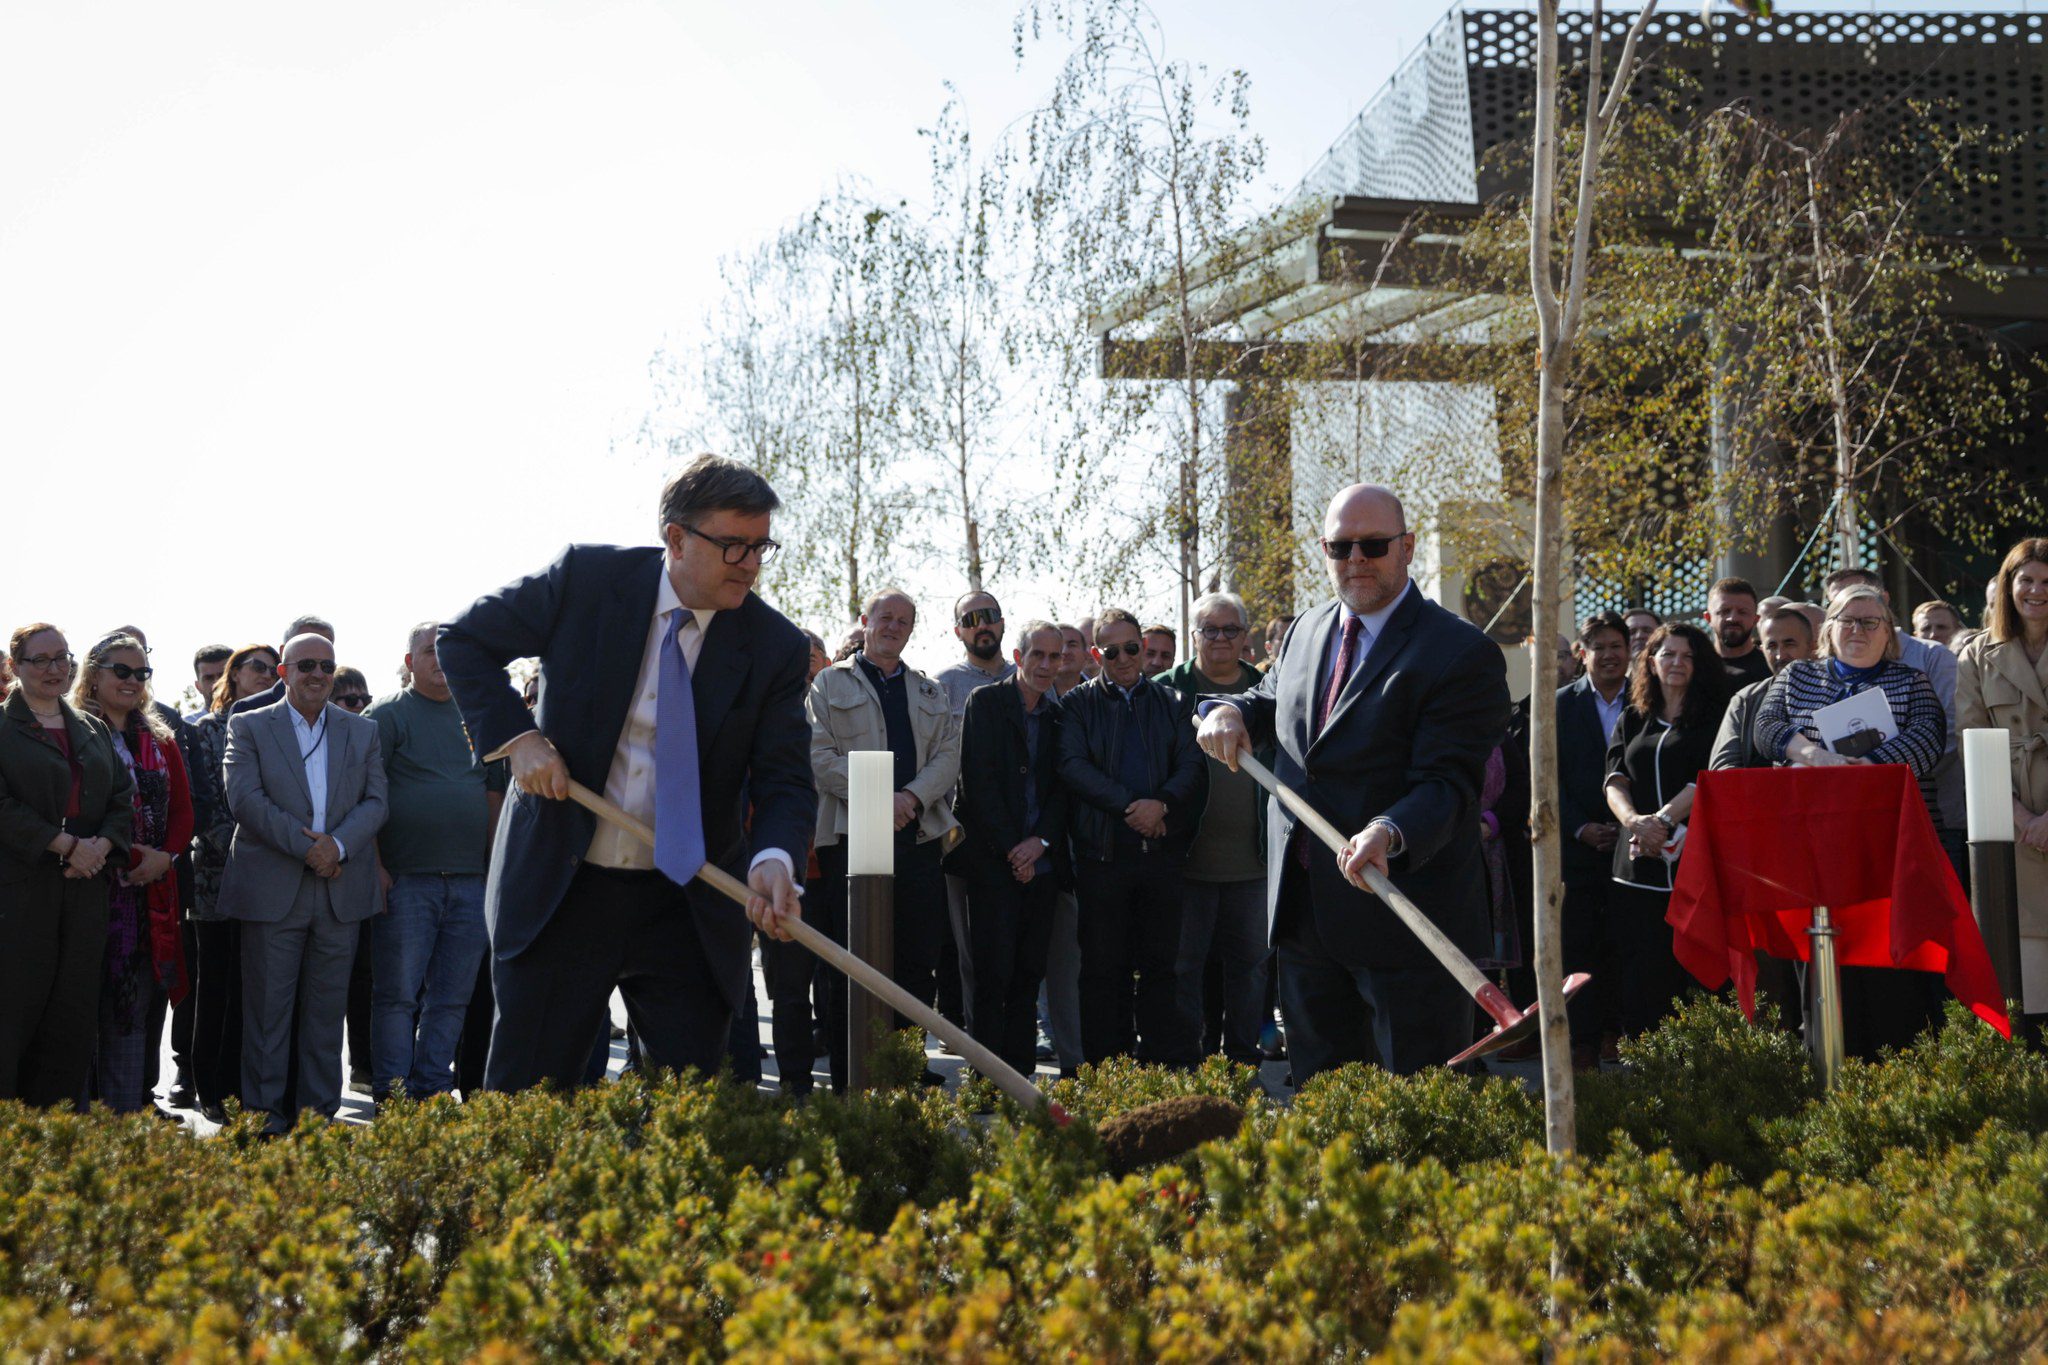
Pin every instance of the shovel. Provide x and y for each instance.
(874, 982)
(1510, 1025)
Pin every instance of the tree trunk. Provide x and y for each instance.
(1560, 1128)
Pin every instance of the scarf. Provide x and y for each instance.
(144, 944)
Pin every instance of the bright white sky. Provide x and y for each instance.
(343, 309)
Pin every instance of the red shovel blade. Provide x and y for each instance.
(1517, 1029)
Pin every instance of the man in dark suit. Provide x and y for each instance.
(1384, 707)
(1587, 709)
(1012, 809)
(305, 782)
(670, 687)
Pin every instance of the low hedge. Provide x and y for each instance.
(1717, 1209)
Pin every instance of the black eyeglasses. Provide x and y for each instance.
(126, 671)
(1372, 547)
(1111, 651)
(308, 665)
(63, 661)
(1219, 632)
(981, 616)
(736, 551)
(354, 701)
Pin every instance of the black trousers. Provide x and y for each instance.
(1406, 1019)
(53, 935)
(1588, 947)
(792, 971)
(633, 930)
(1130, 914)
(1009, 928)
(1648, 974)
(217, 1010)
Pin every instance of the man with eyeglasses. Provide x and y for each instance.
(978, 625)
(1383, 708)
(305, 783)
(431, 857)
(1223, 952)
(1137, 782)
(671, 687)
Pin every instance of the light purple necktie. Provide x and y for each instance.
(678, 803)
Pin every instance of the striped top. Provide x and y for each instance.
(1810, 684)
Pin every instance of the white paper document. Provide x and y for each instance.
(1856, 725)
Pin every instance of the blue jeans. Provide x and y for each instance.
(424, 956)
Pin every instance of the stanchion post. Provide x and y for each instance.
(1824, 999)
(1994, 890)
(870, 902)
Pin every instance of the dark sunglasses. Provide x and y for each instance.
(1128, 648)
(981, 616)
(354, 701)
(126, 671)
(308, 665)
(260, 662)
(1371, 546)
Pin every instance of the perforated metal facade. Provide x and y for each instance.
(1471, 87)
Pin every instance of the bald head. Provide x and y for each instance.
(1364, 501)
(1367, 546)
(307, 688)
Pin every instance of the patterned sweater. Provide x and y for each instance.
(1810, 684)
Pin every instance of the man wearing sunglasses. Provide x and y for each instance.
(978, 626)
(1383, 708)
(670, 687)
(305, 783)
(1128, 757)
(304, 625)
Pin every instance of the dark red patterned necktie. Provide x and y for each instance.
(1339, 675)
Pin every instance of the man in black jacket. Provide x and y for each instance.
(1587, 709)
(1383, 707)
(1012, 809)
(1128, 757)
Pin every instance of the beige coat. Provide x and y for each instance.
(846, 716)
(1997, 687)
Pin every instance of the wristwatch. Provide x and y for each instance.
(1670, 827)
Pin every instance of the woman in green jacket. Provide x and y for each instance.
(66, 818)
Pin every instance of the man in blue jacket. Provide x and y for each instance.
(666, 684)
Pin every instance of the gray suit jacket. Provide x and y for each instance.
(268, 796)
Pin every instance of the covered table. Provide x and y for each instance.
(1767, 845)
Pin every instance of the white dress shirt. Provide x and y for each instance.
(313, 743)
(629, 784)
(1610, 711)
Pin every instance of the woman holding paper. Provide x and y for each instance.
(1663, 741)
(1823, 713)
(2002, 683)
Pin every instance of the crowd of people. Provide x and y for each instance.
(1081, 869)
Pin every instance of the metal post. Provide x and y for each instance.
(871, 936)
(1994, 898)
(1824, 1006)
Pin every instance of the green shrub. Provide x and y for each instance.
(1706, 1086)
(1412, 1217)
(1941, 1090)
(1435, 1115)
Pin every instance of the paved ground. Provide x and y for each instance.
(356, 1105)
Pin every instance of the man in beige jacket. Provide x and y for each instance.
(873, 700)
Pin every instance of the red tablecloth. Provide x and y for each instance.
(1768, 844)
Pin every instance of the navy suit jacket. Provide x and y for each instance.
(1407, 740)
(587, 616)
(1581, 780)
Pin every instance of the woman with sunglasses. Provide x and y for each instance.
(351, 690)
(145, 949)
(66, 820)
(1859, 650)
(217, 969)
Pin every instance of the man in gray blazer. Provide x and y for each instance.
(305, 783)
